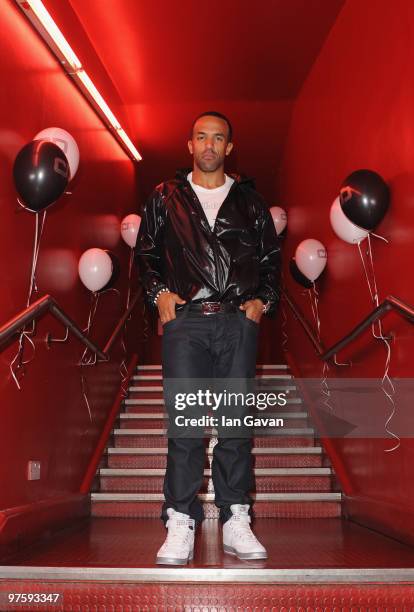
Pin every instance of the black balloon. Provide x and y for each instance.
(365, 198)
(298, 276)
(116, 269)
(41, 174)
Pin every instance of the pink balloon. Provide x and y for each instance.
(279, 217)
(129, 229)
(311, 257)
(343, 227)
(95, 269)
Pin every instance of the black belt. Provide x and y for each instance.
(207, 308)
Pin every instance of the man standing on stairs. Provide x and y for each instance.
(210, 262)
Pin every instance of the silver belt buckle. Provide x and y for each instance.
(210, 307)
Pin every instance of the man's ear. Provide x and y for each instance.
(190, 146)
(229, 148)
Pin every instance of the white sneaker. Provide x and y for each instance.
(178, 548)
(238, 538)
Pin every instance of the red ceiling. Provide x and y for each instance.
(170, 60)
(188, 50)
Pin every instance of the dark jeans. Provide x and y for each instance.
(196, 346)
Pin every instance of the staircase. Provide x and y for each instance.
(292, 474)
(317, 559)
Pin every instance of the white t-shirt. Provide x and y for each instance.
(211, 199)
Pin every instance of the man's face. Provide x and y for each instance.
(209, 144)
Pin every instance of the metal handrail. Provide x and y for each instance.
(318, 346)
(389, 303)
(48, 304)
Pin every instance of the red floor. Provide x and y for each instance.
(291, 543)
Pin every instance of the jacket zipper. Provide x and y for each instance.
(212, 231)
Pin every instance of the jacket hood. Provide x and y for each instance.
(181, 176)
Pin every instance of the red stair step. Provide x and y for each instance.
(149, 509)
(160, 461)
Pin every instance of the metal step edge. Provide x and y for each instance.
(152, 388)
(160, 401)
(261, 376)
(208, 575)
(207, 497)
(162, 415)
(325, 471)
(159, 388)
(289, 431)
(278, 366)
(269, 450)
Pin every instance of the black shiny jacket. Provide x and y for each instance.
(238, 260)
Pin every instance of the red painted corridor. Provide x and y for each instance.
(98, 104)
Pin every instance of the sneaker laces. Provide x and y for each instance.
(241, 523)
(179, 535)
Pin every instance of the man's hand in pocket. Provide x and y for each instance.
(166, 305)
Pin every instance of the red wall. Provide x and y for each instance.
(250, 66)
(355, 111)
(47, 419)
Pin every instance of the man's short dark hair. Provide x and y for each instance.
(214, 114)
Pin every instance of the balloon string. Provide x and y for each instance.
(380, 237)
(365, 271)
(36, 249)
(18, 356)
(372, 289)
(389, 394)
(313, 297)
(379, 336)
(92, 359)
(313, 293)
(34, 260)
(123, 370)
(144, 317)
(24, 333)
(85, 395)
(376, 298)
(131, 259)
(283, 327)
(110, 289)
(324, 386)
(339, 363)
(92, 311)
(285, 337)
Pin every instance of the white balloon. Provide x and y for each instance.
(66, 142)
(129, 229)
(279, 217)
(311, 257)
(95, 269)
(343, 227)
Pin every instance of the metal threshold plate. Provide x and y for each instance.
(209, 497)
(261, 450)
(210, 575)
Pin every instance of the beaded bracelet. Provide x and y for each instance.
(165, 289)
(266, 307)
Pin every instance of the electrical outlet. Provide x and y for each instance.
(33, 470)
